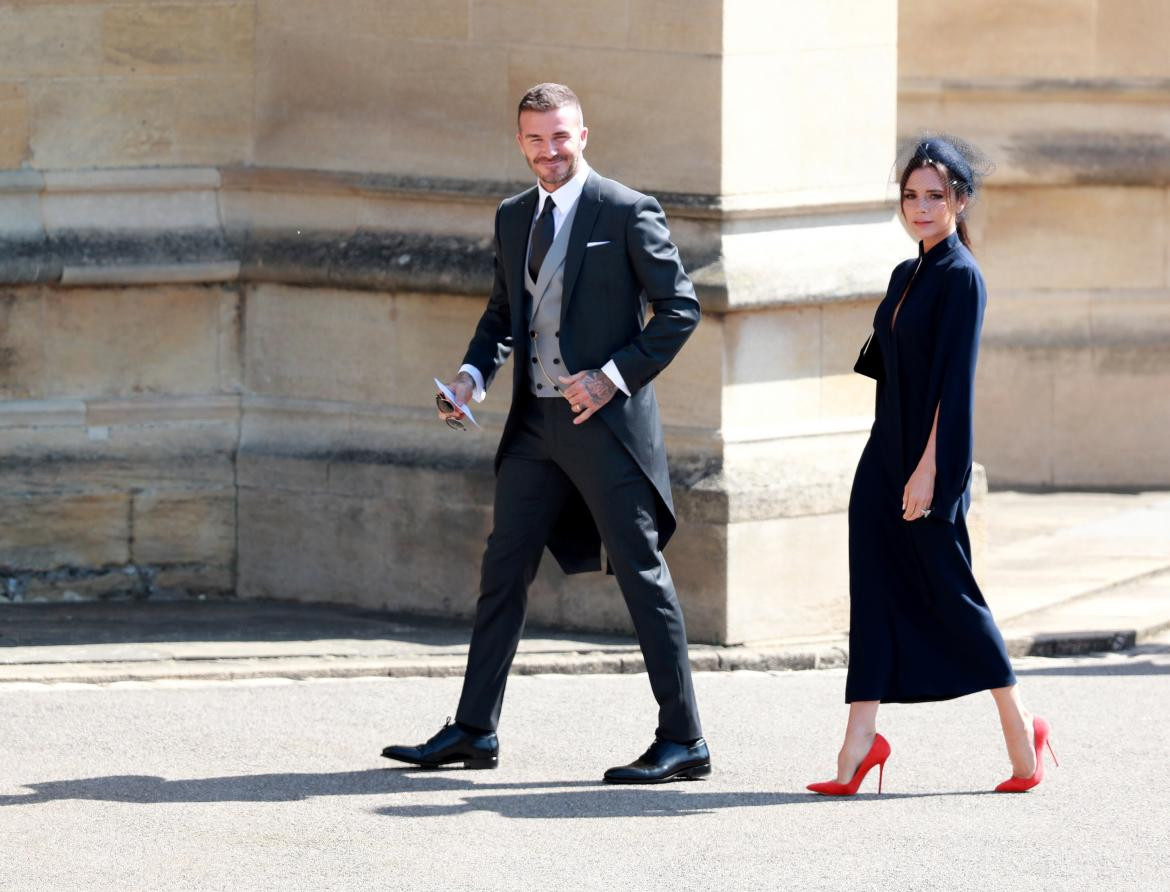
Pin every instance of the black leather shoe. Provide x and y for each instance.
(664, 761)
(452, 744)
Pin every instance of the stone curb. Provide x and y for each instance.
(704, 658)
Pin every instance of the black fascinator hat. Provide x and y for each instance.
(964, 166)
(967, 166)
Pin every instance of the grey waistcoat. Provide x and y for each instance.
(544, 314)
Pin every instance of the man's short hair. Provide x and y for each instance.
(546, 97)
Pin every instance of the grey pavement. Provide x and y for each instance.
(1065, 573)
(270, 783)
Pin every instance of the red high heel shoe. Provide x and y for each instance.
(1040, 732)
(879, 751)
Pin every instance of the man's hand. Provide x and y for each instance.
(463, 387)
(587, 392)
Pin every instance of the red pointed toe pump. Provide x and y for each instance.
(1040, 737)
(879, 751)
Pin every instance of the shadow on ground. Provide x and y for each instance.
(544, 799)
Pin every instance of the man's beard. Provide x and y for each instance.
(570, 172)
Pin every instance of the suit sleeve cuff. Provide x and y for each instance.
(611, 372)
(480, 392)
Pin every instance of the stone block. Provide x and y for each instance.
(749, 127)
(50, 41)
(844, 329)
(39, 414)
(184, 527)
(690, 390)
(1091, 237)
(113, 342)
(1130, 39)
(768, 26)
(603, 23)
(368, 551)
(125, 122)
(773, 362)
(692, 26)
(847, 118)
(1080, 133)
(179, 39)
(355, 102)
(161, 411)
(1014, 436)
(22, 357)
(1110, 408)
(130, 200)
(676, 94)
(46, 532)
(401, 20)
(13, 125)
(788, 577)
(997, 38)
(320, 345)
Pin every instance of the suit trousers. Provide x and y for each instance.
(545, 460)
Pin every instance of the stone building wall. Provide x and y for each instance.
(239, 238)
(1071, 98)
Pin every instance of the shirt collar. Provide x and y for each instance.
(943, 248)
(567, 195)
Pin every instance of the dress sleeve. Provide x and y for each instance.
(953, 378)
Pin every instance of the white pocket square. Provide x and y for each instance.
(595, 244)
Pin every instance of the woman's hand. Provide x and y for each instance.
(918, 492)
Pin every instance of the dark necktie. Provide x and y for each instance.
(542, 238)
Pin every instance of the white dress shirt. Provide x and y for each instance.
(565, 198)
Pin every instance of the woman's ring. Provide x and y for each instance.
(576, 407)
(926, 512)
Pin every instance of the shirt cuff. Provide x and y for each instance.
(611, 372)
(480, 392)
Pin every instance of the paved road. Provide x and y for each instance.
(277, 784)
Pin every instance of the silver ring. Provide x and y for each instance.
(926, 512)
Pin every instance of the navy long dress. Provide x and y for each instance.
(919, 627)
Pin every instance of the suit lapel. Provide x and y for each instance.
(588, 206)
(514, 241)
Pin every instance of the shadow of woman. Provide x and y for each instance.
(673, 800)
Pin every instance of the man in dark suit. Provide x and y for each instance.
(581, 460)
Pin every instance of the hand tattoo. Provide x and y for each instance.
(599, 388)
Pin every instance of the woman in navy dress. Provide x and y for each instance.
(920, 629)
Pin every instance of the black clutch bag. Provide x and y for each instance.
(869, 360)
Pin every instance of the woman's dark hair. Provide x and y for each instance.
(959, 165)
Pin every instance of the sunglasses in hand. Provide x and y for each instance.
(446, 407)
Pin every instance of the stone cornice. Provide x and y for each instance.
(394, 233)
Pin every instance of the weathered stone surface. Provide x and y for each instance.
(49, 40)
(114, 343)
(364, 103)
(403, 19)
(669, 26)
(22, 359)
(13, 124)
(1041, 38)
(179, 39)
(767, 26)
(118, 122)
(82, 531)
(1128, 39)
(1065, 227)
(603, 23)
(184, 527)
